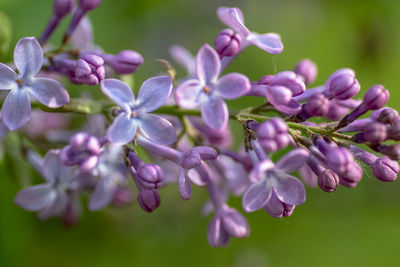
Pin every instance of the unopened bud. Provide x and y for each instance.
(328, 180)
(149, 200)
(227, 43)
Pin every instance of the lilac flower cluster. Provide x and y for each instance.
(182, 127)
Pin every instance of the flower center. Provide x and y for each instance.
(133, 114)
(206, 90)
(19, 81)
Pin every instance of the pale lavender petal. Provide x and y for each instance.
(184, 58)
(82, 37)
(233, 18)
(290, 108)
(52, 168)
(28, 57)
(122, 130)
(157, 129)
(235, 223)
(57, 207)
(119, 92)
(184, 187)
(293, 160)
(289, 189)
(16, 109)
(208, 65)
(270, 42)
(233, 85)
(187, 94)
(256, 196)
(217, 236)
(153, 93)
(278, 95)
(49, 92)
(103, 193)
(36, 197)
(8, 78)
(257, 173)
(308, 176)
(215, 113)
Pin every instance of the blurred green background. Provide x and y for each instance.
(351, 227)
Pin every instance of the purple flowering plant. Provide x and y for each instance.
(182, 126)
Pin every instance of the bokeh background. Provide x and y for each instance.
(351, 227)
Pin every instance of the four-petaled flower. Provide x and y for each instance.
(233, 17)
(273, 183)
(208, 91)
(152, 94)
(28, 59)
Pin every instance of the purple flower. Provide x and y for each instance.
(270, 179)
(233, 17)
(272, 134)
(28, 58)
(184, 58)
(134, 114)
(208, 91)
(50, 198)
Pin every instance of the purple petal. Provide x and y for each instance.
(103, 193)
(196, 177)
(57, 207)
(184, 58)
(233, 18)
(188, 93)
(217, 236)
(274, 206)
(278, 95)
(8, 78)
(49, 92)
(153, 93)
(215, 113)
(290, 108)
(36, 197)
(235, 223)
(270, 42)
(293, 160)
(208, 65)
(289, 189)
(122, 130)
(119, 92)
(184, 187)
(233, 85)
(82, 37)
(157, 129)
(51, 166)
(16, 109)
(256, 196)
(28, 57)
(257, 173)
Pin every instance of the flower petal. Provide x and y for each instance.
(217, 236)
(36, 197)
(274, 206)
(103, 193)
(233, 17)
(184, 186)
(208, 65)
(292, 107)
(184, 58)
(51, 165)
(233, 85)
(278, 95)
(8, 78)
(157, 129)
(153, 93)
(119, 92)
(293, 160)
(289, 189)
(28, 57)
(57, 207)
(235, 223)
(49, 92)
(256, 196)
(16, 109)
(187, 94)
(270, 42)
(215, 113)
(122, 130)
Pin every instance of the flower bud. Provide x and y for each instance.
(89, 4)
(394, 131)
(150, 176)
(63, 7)
(89, 70)
(375, 132)
(392, 151)
(149, 200)
(235, 223)
(277, 208)
(122, 197)
(328, 180)
(342, 84)
(307, 70)
(386, 115)
(227, 43)
(385, 169)
(376, 97)
(289, 80)
(352, 176)
(317, 105)
(126, 61)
